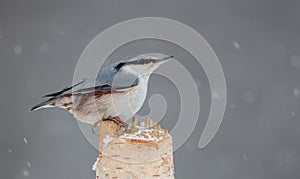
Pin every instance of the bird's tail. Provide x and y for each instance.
(46, 104)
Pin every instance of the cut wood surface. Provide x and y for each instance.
(143, 151)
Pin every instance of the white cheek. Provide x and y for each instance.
(140, 69)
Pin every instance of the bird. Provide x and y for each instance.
(115, 93)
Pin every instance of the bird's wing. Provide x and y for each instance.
(107, 80)
(104, 88)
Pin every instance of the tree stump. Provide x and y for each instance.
(143, 151)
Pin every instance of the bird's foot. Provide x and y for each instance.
(95, 125)
(121, 124)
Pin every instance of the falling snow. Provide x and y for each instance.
(293, 113)
(236, 45)
(296, 92)
(287, 156)
(29, 164)
(26, 173)
(295, 61)
(25, 140)
(198, 83)
(232, 106)
(18, 49)
(245, 157)
(215, 95)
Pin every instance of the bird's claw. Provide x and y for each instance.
(94, 126)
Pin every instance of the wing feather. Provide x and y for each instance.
(109, 79)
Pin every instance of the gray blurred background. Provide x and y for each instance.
(258, 45)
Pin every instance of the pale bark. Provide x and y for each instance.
(145, 151)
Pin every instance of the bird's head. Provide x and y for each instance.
(142, 65)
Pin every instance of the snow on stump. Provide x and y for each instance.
(144, 151)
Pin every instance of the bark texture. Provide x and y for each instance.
(145, 151)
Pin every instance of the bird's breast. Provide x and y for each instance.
(126, 105)
(123, 104)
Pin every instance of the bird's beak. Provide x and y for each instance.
(164, 59)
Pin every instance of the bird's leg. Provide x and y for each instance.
(95, 125)
(118, 121)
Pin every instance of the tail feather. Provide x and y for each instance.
(44, 104)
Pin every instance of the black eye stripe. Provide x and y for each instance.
(149, 61)
(136, 62)
(117, 67)
(141, 61)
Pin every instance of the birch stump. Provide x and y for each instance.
(142, 152)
